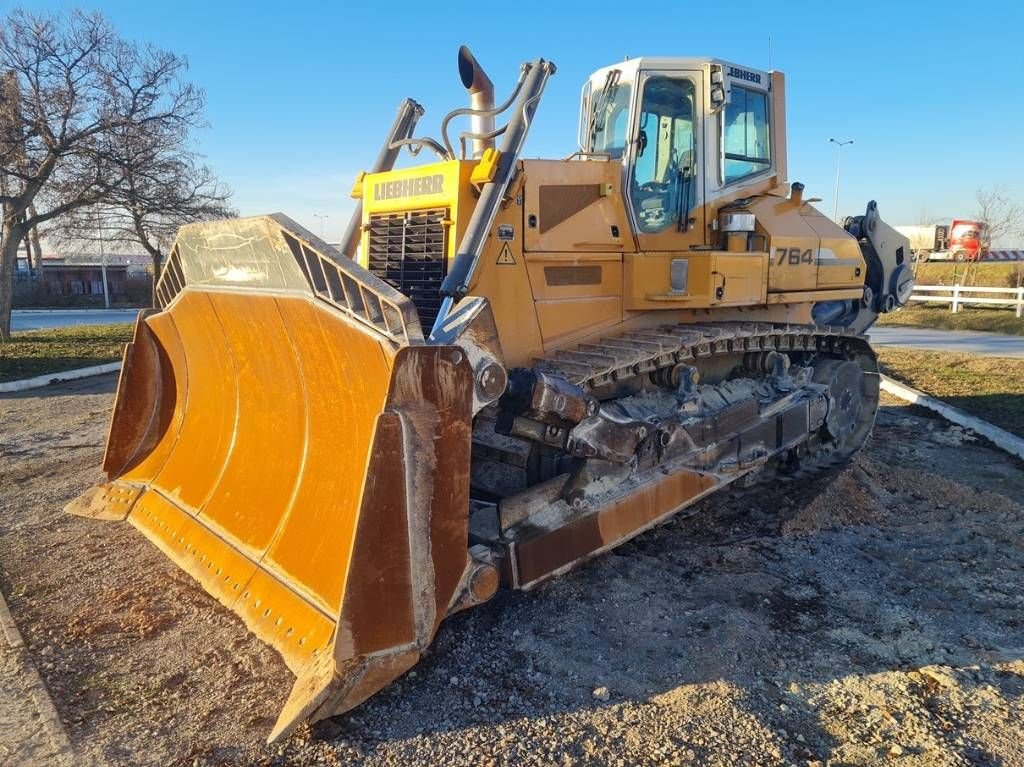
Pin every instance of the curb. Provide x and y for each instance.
(1000, 438)
(48, 716)
(79, 310)
(64, 375)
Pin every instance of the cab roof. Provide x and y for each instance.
(629, 67)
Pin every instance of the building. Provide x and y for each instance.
(82, 274)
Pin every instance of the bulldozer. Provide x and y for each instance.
(507, 367)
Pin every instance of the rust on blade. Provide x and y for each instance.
(542, 553)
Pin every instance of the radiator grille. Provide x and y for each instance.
(409, 250)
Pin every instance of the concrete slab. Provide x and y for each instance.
(966, 341)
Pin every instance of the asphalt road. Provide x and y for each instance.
(37, 320)
(967, 341)
(972, 342)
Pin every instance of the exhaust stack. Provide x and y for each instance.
(481, 98)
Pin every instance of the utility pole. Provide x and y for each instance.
(103, 262)
(835, 201)
(322, 218)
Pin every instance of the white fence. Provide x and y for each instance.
(958, 296)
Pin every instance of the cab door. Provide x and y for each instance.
(664, 178)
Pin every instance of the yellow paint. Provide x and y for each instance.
(589, 229)
(840, 262)
(507, 286)
(801, 257)
(267, 531)
(808, 297)
(456, 193)
(484, 172)
(714, 279)
(357, 186)
(569, 319)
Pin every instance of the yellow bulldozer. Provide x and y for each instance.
(508, 367)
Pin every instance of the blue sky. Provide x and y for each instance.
(300, 94)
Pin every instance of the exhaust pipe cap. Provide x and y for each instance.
(481, 100)
(473, 77)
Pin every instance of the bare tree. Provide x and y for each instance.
(72, 90)
(165, 186)
(925, 217)
(1001, 216)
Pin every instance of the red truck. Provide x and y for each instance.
(961, 240)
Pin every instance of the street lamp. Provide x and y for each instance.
(322, 217)
(839, 151)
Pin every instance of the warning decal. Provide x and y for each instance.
(506, 257)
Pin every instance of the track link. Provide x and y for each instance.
(621, 357)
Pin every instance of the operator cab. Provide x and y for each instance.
(687, 131)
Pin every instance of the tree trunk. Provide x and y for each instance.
(158, 260)
(30, 259)
(10, 241)
(28, 256)
(36, 245)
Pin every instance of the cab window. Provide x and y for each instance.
(607, 123)
(584, 139)
(745, 134)
(663, 184)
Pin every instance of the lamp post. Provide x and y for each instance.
(839, 152)
(322, 217)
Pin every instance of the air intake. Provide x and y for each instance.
(409, 251)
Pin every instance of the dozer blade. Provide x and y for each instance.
(282, 432)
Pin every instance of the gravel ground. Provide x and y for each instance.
(875, 620)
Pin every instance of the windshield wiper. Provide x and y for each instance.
(683, 206)
(604, 97)
(686, 178)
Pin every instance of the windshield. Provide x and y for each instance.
(966, 231)
(608, 123)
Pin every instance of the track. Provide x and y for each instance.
(652, 421)
(602, 368)
(623, 356)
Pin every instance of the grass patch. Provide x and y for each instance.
(38, 352)
(991, 320)
(991, 388)
(997, 274)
